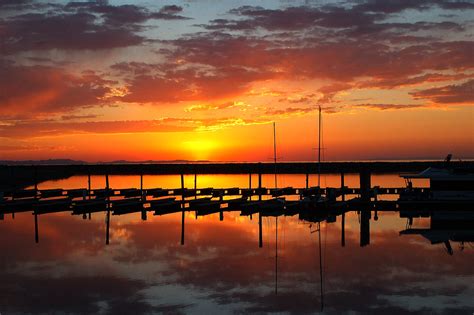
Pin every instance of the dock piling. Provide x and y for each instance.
(365, 185)
(143, 198)
(141, 185)
(182, 207)
(221, 212)
(36, 229)
(195, 186)
(365, 228)
(343, 230)
(107, 217)
(89, 189)
(2, 216)
(36, 180)
(343, 195)
(89, 185)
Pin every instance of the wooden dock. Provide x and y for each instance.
(312, 204)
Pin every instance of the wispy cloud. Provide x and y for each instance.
(450, 94)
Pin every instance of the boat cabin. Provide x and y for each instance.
(445, 183)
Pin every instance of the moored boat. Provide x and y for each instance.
(447, 186)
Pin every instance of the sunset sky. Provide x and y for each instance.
(204, 80)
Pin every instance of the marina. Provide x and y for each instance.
(312, 204)
(236, 157)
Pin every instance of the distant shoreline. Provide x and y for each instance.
(17, 176)
(65, 162)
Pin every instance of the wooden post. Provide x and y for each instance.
(89, 189)
(365, 185)
(250, 180)
(221, 213)
(260, 185)
(182, 207)
(2, 216)
(84, 194)
(365, 228)
(107, 218)
(307, 180)
(89, 185)
(36, 228)
(13, 197)
(342, 188)
(141, 185)
(343, 230)
(260, 238)
(36, 197)
(195, 186)
(143, 198)
(36, 181)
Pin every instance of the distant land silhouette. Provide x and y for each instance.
(79, 162)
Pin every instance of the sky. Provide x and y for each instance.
(205, 80)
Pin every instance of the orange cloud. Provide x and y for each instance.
(33, 90)
(450, 94)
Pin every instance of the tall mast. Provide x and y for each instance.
(275, 152)
(276, 217)
(319, 149)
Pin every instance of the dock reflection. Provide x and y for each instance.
(253, 250)
(457, 226)
(324, 270)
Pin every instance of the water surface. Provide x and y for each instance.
(220, 268)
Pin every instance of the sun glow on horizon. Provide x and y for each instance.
(200, 149)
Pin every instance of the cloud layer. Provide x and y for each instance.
(94, 67)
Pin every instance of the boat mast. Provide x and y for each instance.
(275, 152)
(276, 217)
(319, 149)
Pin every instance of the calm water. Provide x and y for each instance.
(220, 268)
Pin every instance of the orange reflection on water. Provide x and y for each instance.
(221, 264)
(224, 181)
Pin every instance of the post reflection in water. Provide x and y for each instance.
(347, 261)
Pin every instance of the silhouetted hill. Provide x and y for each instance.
(78, 162)
(43, 162)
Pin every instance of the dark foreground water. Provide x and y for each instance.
(221, 269)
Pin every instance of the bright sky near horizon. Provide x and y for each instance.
(204, 80)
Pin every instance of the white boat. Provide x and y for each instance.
(446, 184)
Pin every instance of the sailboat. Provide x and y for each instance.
(312, 198)
(270, 207)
